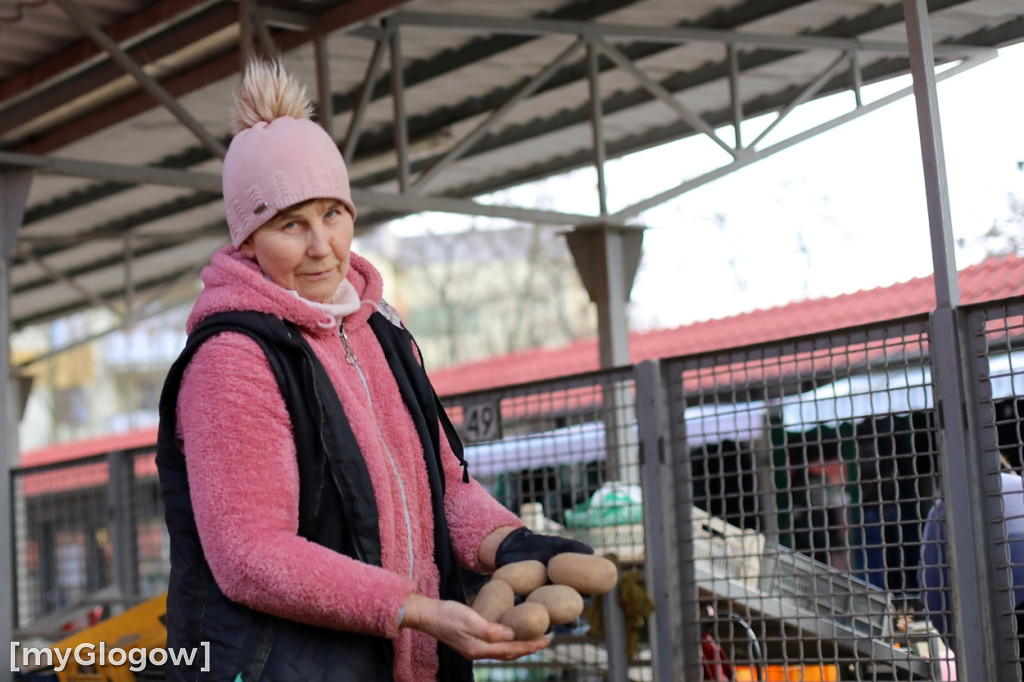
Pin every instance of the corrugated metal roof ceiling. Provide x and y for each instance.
(83, 240)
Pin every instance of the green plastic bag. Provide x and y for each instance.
(613, 504)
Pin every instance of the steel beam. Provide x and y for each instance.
(246, 34)
(95, 74)
(148, 306)
(597, 128)
(540, 27)
(607, 257)
(406, 203)
(76, 14)
(857, 77)
(399, 122)
(659, 91)
(72, 60)
(732, 59)
(487, 124)
(656, 463)
(343, 17)
(69, 281)
(129, 278)
(983, 652)
(123, 521)
(752, 155)
(113, 172)
(14, 189)
(288, 20)
(805, 94)
(355, 123)
(261, 30)
(325, 98)
(211, 182)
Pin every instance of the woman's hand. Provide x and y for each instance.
(465, 630)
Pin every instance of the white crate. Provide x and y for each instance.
(826, 592)
(725, 551)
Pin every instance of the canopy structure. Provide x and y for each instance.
(113, 113)
(113, 123)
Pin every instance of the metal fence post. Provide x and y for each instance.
(686, 616)
(963, 486)
(14, 186)
(122, 519)
(659, 527)
(989, 552)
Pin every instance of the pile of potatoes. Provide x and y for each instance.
(547, 596)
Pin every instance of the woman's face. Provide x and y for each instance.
(305, 248)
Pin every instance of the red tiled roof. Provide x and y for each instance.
(65, 452)
(993, 279)
(51, 482)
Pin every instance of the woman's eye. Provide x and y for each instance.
(333, 213)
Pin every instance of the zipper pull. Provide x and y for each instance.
(349, 355)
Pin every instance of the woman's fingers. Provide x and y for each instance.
(507, 651)
(463, 629)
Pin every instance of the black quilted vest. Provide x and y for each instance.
(337, 509)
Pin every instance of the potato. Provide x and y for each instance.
(585, 573)
(528, 621)
(523, 576)
(564, 604)
(494, 598)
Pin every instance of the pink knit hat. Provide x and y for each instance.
(272, 166)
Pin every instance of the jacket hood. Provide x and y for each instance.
(233, 282)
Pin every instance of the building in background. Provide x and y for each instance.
(470, 295)
(106, 385)
(465, 297)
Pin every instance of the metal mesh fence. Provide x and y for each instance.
(70, 545)
(815, 461)
(995, 333)
(564, 456)
(776, 511)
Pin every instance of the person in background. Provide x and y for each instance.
(934, 575)
(318, 504)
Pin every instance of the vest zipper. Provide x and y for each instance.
(350, 357)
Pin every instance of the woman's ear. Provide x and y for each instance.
(247, 249)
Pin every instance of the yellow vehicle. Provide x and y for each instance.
(125, 648)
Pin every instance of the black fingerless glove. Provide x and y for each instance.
(523, 544)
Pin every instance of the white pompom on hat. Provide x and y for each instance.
(271, 166)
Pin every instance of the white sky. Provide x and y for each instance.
(841, 212)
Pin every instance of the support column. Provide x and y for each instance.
(122, 525)
(983, 639)
(607, 257)
(660, 540)
(14, 187)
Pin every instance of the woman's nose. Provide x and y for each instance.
(319, 241)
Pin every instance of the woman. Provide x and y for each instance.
(315, 492)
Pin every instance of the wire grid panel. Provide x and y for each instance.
(823, 449)
(62, 544)
(65, 559)
(997, 331)
(564, 456)
(153, 545)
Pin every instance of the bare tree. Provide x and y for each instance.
(1006, 236)
(490, 290)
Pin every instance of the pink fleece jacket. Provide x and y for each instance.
(243, 476)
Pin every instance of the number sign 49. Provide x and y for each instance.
(481, 422)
